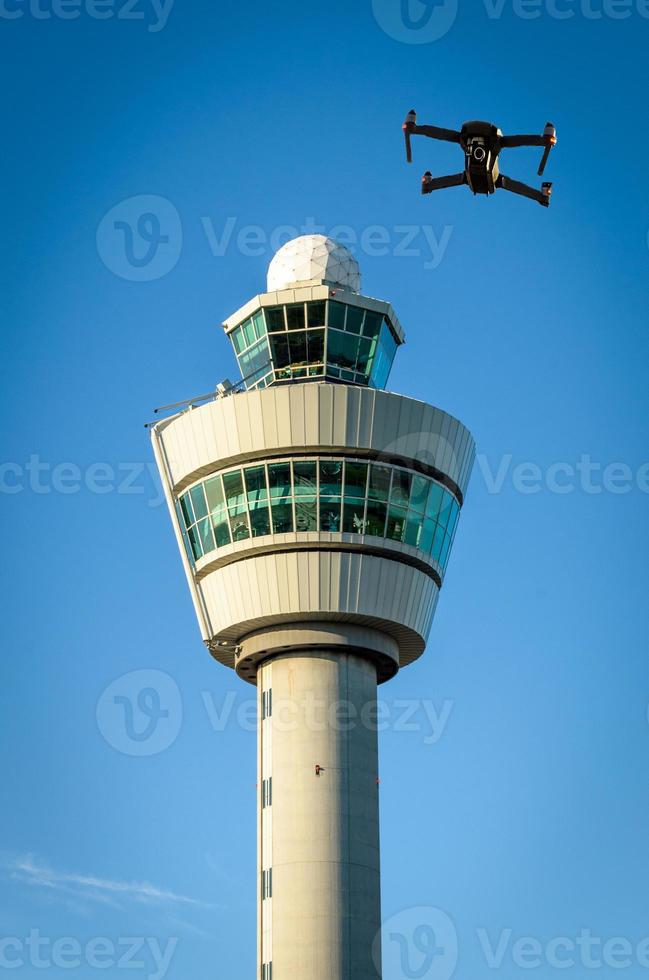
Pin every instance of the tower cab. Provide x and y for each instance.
(314, 324)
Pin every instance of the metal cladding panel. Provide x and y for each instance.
(250, 587)
(314, 585)
(314, 291)
(313, 417)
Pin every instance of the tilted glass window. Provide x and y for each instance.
(337, 312)
(372, 324)
(330, 494)
(382, 362)
(275, 318)
(305, 477)
(355, 479)
(255, 361)
(314, 339)
(251, 347)
(331, 477)
(380, 476)
(354, 323)
(295, 316)
(260, 324)
(342, 350)
(279, 479)
(316, 314)
(305, 490)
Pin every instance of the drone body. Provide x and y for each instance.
(482, 143)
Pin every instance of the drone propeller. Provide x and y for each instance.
(411, 120)
(550, 135)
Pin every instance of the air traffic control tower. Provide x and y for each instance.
(315, 514)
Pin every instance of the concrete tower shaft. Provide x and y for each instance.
(319, 840)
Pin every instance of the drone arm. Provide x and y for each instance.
(523, 140)
(410, 128)
(524, 190)
(548, 139)
(430, 183)
(436, 133)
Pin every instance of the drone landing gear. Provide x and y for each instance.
(430, 183)
(516, 187)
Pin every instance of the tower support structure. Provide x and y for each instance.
(315, 516)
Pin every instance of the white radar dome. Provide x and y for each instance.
(314, 257)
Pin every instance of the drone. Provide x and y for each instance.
(482, 143)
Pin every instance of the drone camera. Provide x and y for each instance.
(479, 153)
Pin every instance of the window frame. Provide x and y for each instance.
(419, 517)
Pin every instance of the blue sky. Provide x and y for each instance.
(522, 810)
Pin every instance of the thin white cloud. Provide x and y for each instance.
(218, 870)
(185, 926)
(28, 871)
